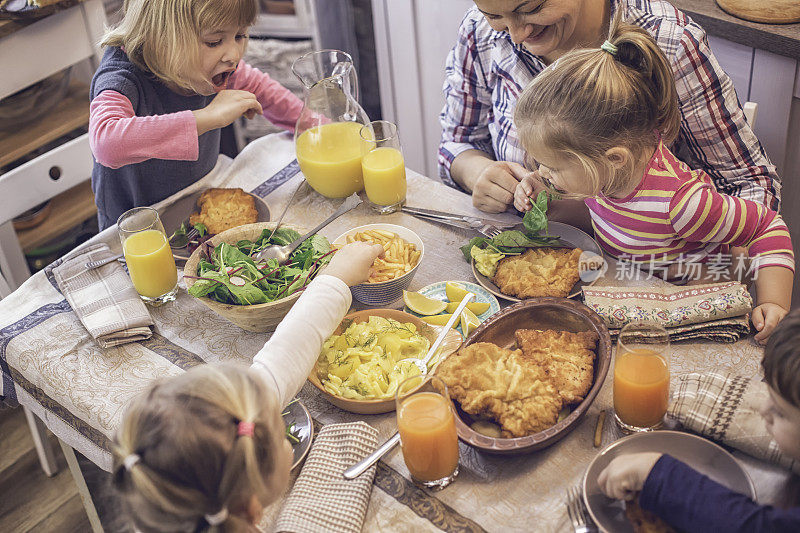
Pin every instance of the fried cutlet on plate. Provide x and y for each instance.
(222, 209)
(645, 521)
(568, 358)
(502, 385)
(539, 272)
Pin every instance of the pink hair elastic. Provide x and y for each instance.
(245, 429)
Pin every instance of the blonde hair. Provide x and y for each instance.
(163, 36)
(178, 457)
(590, 100)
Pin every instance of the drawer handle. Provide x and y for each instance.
(55, 173)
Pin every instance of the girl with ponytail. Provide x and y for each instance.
(206, 450)
(598, 123)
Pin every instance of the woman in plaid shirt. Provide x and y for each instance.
(503, 44)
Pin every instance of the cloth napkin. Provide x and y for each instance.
(322, 500)
(725, 408)
(103, 298)
(715, 311)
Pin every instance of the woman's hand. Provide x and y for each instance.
(227, 106)
(496, 185)
(625, 475)
(352, 263)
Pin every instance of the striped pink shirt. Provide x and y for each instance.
(676, 212)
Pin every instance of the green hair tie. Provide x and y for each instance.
(607, 46)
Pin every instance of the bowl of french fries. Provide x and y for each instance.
(392, 272)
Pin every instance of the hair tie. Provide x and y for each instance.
(217, 518)
(130, 461)
(246, 429)
(609, 47)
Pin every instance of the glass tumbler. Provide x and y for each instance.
(383, 166)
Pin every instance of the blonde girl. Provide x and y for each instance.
(171, 76)
(598, 122)
(207, 450)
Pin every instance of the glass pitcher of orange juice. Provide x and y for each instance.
(427, 426)
(383, 166)
(148, 255)
(327, 138)
(641, 377)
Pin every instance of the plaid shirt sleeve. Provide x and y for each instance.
(713, 125)
(468, 101)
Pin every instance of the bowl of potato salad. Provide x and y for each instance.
(357, 367)
(392, 273)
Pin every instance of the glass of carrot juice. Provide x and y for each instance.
(148, 255)
(427, 426)
(383, 166)
(641, 377)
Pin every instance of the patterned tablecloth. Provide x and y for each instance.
(51, 365)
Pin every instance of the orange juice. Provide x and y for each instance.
(641, 387)
(384, 176)
(150, 263)
(330, 158)
(428, 436)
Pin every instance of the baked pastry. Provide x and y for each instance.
(539, 272)
(222, 209)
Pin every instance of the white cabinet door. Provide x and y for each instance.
(737, 61)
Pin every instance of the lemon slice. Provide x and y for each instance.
(476, 307)
(422, 305)
(455, 291)
(468, 322)
(438, 320)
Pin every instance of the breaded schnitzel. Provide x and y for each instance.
(539, 272)
(644, 521)
(503, 385)
(222, 209)
(568, 358)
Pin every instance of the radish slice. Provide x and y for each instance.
(236, 280)
(230, 270)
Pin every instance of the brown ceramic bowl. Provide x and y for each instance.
(538, 313)
(372, 407)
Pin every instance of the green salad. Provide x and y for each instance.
(228, 273)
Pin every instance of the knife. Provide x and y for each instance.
(472, 222)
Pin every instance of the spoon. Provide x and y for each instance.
(282, 253)
(285, 209)
(422, 364)
(364, 464)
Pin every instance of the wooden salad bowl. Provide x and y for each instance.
(257, 317)
(372, 407)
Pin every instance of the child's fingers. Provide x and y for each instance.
(771, 318)
(758, 318)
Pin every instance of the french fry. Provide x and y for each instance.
(399, 256)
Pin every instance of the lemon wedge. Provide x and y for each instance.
(476, 307)
(468, 322)
(455, 291)
(438, 320)
(422, 305)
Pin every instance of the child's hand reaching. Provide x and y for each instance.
(765, 317)
(625, 475)
(528, 187)
(352, 263)
(227, 106)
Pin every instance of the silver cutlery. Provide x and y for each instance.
(487, 230)
(285, 209)
(473, 222)
(100, 262)
(181, 236)
(578, 515)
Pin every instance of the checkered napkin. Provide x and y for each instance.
(322, 500)
(715, 311)
(725, 408)
(103, 298)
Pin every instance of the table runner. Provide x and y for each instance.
(80, 390)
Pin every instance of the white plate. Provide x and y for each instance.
(438, 291)
(297, 414)
(570, 236)
(697, 452)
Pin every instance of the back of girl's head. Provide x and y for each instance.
(781, 360)
(178, 456)
(163, 36)
(591, 100)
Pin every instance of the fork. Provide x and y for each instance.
(581, 523)
(100, 262)
(488, 230)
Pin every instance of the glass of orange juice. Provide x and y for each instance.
(641, 377)
(148, 255)
(427, 426)
(383, 166)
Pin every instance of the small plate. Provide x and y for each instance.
(697, 452)
(297, 414)
(438, 291)
(569, 235)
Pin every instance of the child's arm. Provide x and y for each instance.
(280, 105)
(688, 500)
(287, 358)
(701, 214)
